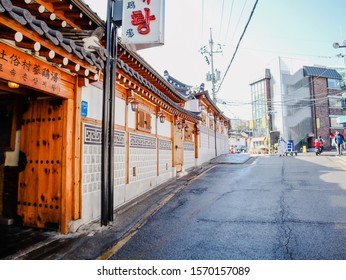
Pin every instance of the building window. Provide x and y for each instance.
(335, 101)
(333, 83)
(143, 120)
(333, 122)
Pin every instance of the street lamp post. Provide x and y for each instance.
(108, 112)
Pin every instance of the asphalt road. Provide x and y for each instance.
(268, 208)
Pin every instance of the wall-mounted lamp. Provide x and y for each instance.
(162, 118)
(134, 104)
(186, 127)
(13, 85)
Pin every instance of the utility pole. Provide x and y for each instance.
(214, 77)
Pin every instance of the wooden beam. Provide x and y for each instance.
(10, 23)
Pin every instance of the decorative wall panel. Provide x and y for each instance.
(140, 141)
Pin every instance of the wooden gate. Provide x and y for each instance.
(39, 186)
(179, 149)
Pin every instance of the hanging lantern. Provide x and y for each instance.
(134, 104)
(162, 118)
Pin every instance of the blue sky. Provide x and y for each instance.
(304, 29)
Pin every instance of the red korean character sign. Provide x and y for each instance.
(142, 25)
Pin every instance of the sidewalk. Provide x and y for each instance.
(93, 240)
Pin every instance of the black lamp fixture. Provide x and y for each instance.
(162, 118)
(134, 104)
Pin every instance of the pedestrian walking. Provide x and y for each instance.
(339, 140)
(281, 146)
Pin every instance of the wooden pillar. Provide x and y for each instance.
(157, 146)
(196, 140)
(67, 166)
(127, 141)
(77, 189)
(173, 141)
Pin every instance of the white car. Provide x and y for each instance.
(240, 149)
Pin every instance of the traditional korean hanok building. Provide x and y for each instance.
(213, 129)
(45, 62)
(51, 96)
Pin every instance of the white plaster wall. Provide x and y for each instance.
(164, 129)
(192, 105)
(153, 124)
(120, 106)
(189, 159)
(93, 96)
(206, 145)
(131, 117)
(91, 209)
(165, 166)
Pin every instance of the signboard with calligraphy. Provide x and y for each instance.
(143, 23)
(21, 68)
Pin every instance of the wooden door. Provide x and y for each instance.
(179, 149)
(39, 186)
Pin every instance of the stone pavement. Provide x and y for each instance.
(91, 241)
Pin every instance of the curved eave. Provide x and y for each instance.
(152, 92)
(216, 109)
(14, 18)
(136, 62)
(85, 9)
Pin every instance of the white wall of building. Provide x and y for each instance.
(150, 157)
(93, 96)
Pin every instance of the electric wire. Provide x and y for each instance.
(293, 100)
(202, 24)
(241, 14)
(229, 21)
(237, 47)
(221, 20)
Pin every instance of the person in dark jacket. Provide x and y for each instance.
(339, 140)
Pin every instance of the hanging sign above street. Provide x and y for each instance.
(143, 23)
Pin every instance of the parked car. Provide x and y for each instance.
(240, 149)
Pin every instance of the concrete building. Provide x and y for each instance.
(296, 102)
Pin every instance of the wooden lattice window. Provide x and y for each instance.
(211, 123)
(188, 134)
(204, 119)
(143, 120)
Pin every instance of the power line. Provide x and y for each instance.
(221, 20)
(236, 27)
(240, 39)
(229, 21)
